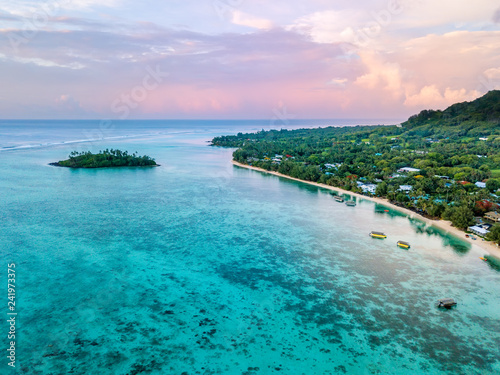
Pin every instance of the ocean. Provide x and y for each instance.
(201, 267)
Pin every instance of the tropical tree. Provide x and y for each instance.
(494, 234)
(492, 185)
(462, 217)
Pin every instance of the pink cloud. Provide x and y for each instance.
(247, 75)
(432, 97)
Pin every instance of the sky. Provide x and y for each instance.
(244, 59)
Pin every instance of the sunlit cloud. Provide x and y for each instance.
(340, 82)
(432, 97)
(381, 74)
(243, 19)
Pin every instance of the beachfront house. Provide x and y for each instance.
(493, 216)
(480, 230)
(481, 185)
(368, 188)
(486, 226)
(408, 170)
(405, 188)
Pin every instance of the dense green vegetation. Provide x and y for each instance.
(105, 159)
(476, 114)
(452, 150)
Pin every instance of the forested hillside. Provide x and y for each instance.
(447, 153)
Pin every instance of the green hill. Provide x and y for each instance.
(449, 152)
(484, 111)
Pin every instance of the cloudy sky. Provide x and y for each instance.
(244, 58)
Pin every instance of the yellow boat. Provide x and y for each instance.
(377, 234)
(403, 244)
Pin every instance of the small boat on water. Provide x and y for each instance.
(403, 244)
(350, 203)
(447, 303)
(491, 259)
(339, 199)
(378, 234)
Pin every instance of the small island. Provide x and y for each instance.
(105, 159)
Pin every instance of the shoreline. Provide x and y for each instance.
(445, 225)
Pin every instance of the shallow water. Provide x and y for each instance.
(199, 267)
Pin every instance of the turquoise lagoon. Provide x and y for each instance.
(200, 267)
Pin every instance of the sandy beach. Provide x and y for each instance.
(487, 246)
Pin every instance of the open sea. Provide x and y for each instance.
(201, 267)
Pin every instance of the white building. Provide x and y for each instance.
(478, 230)
(405, 188)
(369, 188)
(408, 169)
(480, 184)
(336, 165)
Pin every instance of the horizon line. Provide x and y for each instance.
(199, 119)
